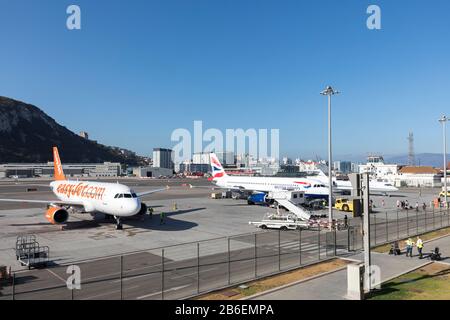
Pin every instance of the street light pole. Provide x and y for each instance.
(329, 92)
(444, 120)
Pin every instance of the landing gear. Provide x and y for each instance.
(118, 224)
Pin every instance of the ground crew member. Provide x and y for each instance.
(409, 247)
(162, 216)
(150, 212)
(419, 244)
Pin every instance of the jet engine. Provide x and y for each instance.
(57, 215)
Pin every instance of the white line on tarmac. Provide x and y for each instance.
(165, 291)
(62, 279)
(191, 274)
(107, 293)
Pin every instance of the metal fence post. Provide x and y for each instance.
(375, 227)
(14, 286)
(387, 228)
(162, 274)
(229, 262)
(121, 276)
(256, 259)
(417, 221)
(198, 267)
(348, 239)
(335, 242)
(318, 242)
(279, 250)
(440, 213)
(398, 228)
(300, 245)
(448, 217)
(426, 223)
(407, 222)
(434, 225)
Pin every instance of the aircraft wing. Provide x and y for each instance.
(140, 194)
(70, 203)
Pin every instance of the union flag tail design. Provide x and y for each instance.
(216, 168)
(58, 173)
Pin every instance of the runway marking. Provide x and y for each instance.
(57, 276)
(107, 293)
(165, 291)
(192, 274)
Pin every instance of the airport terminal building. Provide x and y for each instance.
(30, 170)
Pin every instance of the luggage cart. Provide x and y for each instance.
(29, 253)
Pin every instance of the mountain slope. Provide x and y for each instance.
(27, 134)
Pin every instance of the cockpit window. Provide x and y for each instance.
(120, 196)
(116, 196)
(127, 195)
(134, 195)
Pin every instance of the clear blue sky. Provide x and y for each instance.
(139, 69)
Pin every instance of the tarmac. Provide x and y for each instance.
(199, 227)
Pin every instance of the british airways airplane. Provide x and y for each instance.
(113, 199)
(314, 189)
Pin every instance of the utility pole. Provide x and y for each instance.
(329, 91)
(366, 231)
(444, 120)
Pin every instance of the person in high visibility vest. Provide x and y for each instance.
(419, 244)
(150, 212)
(409, 247)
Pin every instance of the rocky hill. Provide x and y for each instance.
(27, 134)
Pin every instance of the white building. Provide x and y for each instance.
(416, 177)
(29, 170)
(152, 172)
(376, 167)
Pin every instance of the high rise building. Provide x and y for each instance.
(344, 167)
(162, 158)
(226, 158)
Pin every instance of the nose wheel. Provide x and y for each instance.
(118, 224)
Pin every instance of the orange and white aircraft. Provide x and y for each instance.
(112, 199)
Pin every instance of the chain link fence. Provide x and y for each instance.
(187, 270)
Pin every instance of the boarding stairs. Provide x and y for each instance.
(282, 198)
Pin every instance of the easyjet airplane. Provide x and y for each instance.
(112, 199)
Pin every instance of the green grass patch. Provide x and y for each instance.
(431, 282)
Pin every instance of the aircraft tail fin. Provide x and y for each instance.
(58, 170)
(216, 167)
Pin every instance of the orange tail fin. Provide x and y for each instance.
(59, 173)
